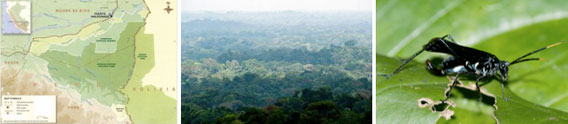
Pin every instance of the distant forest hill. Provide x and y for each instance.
(269, 67)
(208, 34)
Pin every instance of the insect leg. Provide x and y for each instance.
(477, 85)
(449, 37)
(433, 68)
(451, 88)
(404, 63)
(503, 91)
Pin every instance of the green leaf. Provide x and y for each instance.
(540, 85)
(404, 26)
(507, 29)
(398, 97)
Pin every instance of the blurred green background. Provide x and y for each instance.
(505, 28)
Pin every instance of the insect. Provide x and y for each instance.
(468, 61)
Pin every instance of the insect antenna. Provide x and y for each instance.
(404, 63)
(530, 59)
(524, 60)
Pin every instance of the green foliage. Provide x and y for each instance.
(254, 116)
(239, 68)
(333, 55)
(299, 108)
(320, 112)
(252, 90)
(277, 116)
(536, 89)
(353, 61)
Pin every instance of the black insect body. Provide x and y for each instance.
(469, 61)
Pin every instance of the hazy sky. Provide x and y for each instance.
(275, 5)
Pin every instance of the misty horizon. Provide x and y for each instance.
(276, 5)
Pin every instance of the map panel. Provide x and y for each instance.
(105, 61)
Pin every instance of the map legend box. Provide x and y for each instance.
(28, 109)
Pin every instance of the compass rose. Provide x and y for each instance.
(168, 9)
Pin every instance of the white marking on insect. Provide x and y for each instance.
(476, 64)
(456, 69)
